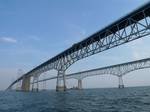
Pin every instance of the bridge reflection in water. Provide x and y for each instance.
(133, 26)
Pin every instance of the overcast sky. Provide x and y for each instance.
(33, 31)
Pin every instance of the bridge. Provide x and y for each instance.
(133, 26)
(118, 70)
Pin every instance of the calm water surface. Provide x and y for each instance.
(89, 100)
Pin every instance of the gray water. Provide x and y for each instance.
(89, 100)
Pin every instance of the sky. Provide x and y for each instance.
(33, 31)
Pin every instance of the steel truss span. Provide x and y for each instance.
(128, 28)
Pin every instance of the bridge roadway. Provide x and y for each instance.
(128, 28)
(118, 70)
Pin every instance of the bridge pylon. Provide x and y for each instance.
(61, 81)
(121, 85)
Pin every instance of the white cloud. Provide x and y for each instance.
(8, 40)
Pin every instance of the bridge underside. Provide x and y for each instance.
(131, 27)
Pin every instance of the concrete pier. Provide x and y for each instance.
(121, 85)
(25, 84)
(61, 88)
(61, 81)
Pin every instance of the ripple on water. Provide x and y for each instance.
(89, 100)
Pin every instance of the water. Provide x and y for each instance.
(89, 100)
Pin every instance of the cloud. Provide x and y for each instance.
(8, 40)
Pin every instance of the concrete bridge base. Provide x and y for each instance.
(25, 84)
(61, 88)
(61, 81)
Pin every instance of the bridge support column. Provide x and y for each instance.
(121, 85)
(79, 83)
(35, 85)
(25, 84)
(61, 81)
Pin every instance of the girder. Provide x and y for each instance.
(128, 28)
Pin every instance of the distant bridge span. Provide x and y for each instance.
(128, 28)
(117, 70)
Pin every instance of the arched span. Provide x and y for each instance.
(116, 70)
(135, 70)
(82, 76)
